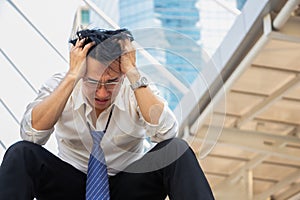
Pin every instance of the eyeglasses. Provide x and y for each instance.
(94, 84)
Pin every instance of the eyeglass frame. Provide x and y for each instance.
(97, 84)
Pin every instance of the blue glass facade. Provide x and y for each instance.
(240, 4)
(179, 15)
(136, 14)
(172, 40)
(177, 22)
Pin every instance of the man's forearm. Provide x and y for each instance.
(150, 106)
(46, 113)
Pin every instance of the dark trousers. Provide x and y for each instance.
(171, 168)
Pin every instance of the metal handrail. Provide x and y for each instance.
(36, 29)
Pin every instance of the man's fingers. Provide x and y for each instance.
(78, 42)
(126, 45)
(88, 46)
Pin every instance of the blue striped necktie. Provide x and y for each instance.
(97, 186)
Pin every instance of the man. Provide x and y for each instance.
(102, 91)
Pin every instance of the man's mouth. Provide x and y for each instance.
(101, 101)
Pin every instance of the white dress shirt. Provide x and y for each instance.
(124, 140)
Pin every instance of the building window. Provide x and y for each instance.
(85, 16)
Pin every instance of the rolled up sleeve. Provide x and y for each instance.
(167, 126)
(26, 130)
(29, 133)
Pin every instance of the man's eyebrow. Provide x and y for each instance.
(109, 80)
(90, 79)
(113, 79)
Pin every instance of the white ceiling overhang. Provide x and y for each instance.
(255, 134)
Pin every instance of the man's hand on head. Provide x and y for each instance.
(78, 53)
(128, 57)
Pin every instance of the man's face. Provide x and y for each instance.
(101, 83)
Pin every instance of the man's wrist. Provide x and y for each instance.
(71, 78)
(133, 75)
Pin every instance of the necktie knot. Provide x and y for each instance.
(97, 136)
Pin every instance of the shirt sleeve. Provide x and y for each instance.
(167, 126)
(26, 130)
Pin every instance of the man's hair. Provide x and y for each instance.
(107, 47)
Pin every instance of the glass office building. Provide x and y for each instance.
(171, 31)
(171, 25)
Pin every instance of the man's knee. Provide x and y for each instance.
(19, 148)
(20, 145)
(174, 147)
(171, 150)
(180, 143)
(177, 143)
(183, 148)
(178, 150)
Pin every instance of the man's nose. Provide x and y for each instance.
(101, 91)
